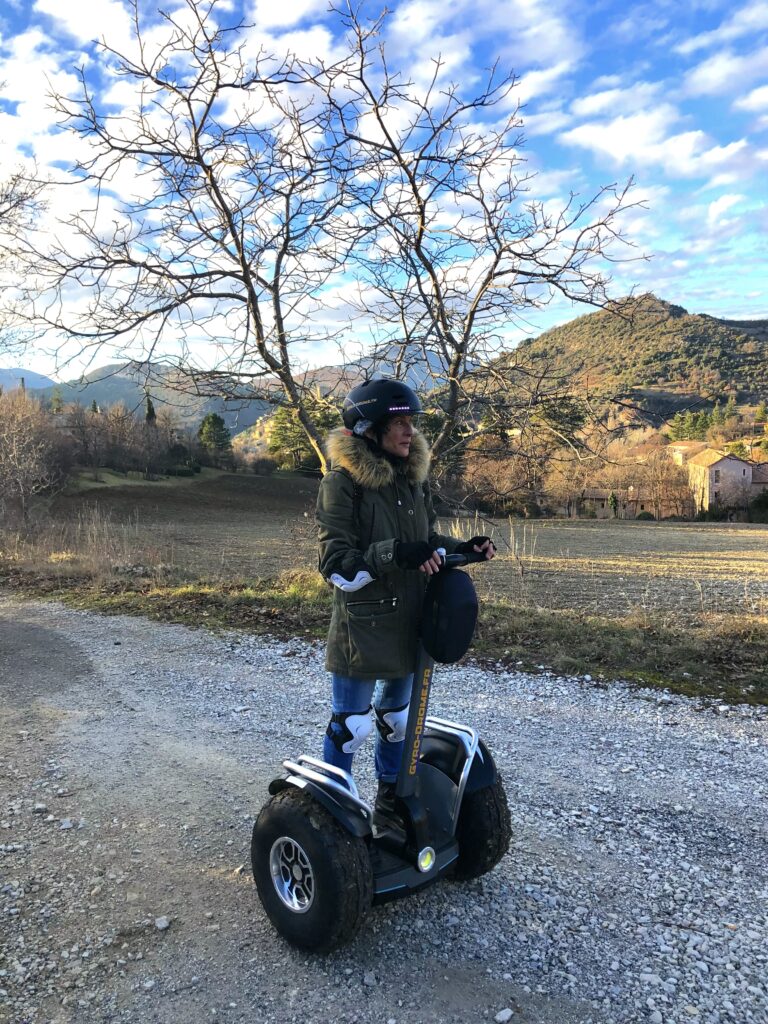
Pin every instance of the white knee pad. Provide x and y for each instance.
(391, 723)
(352, 729)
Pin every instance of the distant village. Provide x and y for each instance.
(719, 484)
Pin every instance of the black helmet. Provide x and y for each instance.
(374, 399)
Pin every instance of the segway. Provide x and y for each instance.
(321, 856)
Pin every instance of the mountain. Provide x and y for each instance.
(168, 390)
(11, 378)
(423, 370)
(656, 354)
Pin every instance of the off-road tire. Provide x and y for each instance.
(340, 865)
(483, 832)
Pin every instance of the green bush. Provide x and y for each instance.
(646, 516)
(263, 466)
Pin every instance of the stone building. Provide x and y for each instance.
(720, 480)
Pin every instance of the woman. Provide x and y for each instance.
(378, 545)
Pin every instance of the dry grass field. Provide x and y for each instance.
(617, 567)
(218, 525)
(672, 604)
(237, 527)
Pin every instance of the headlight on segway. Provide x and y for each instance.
(426, 859)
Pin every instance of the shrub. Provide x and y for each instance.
(758, 508)
(646, 516)
(263, 466)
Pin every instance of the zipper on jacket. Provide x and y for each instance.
(382, 600)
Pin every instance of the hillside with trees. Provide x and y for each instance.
(129, 385)
(656, 355)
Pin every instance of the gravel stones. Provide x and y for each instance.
(636, 889)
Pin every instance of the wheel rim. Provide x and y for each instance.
(292, 874)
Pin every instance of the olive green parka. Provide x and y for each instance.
(367, 503)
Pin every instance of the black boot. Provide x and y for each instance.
(385, 802)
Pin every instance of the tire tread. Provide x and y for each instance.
(352, 867)
(484, 831)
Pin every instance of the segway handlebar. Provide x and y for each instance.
(363, 577)
(466, 558)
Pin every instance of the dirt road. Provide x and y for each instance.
(132, 763)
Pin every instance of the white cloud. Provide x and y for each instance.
(285, 13)
(533, 34)
(643, 139)
(86, 20)
(624, 138)
(750, 19)
(541, 82)
(626, 100)
(755, 101)
(720, 206)
(546, 123)
(726, 72)
(642, 22)
(312, 43)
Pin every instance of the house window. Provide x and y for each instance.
(717, 476)
(602, 504)
(744, 472)
(642, 508)
(717, 495)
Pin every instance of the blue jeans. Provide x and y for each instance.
(354, 696)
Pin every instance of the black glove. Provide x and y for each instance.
(412, 554)
(468, 546)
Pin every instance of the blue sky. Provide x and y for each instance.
(674, 94)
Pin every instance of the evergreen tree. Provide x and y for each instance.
(761, 412)
(150, 416)
(215, 439)
(730, 408)
(677, 427)
(701, 424)
(57, 402)
(718, 416)
(288, 440)
(95, 408)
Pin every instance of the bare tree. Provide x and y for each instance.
(218, 216)
(34, 457)
(20, 200)
(459, 250)
(89, 430)
(235, 192)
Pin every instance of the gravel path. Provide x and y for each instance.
(134, 757)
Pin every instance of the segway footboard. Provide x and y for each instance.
(397, 869)
(332, 787)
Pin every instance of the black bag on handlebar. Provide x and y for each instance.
(449, 616)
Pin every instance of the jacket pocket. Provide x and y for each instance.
(374, 636)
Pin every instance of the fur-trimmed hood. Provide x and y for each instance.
(372, 471)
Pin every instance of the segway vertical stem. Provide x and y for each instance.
(407, 787)
(417, 716)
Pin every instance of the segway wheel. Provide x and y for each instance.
(483, 832)
(314, 879)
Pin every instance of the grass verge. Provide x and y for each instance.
(723, 656)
